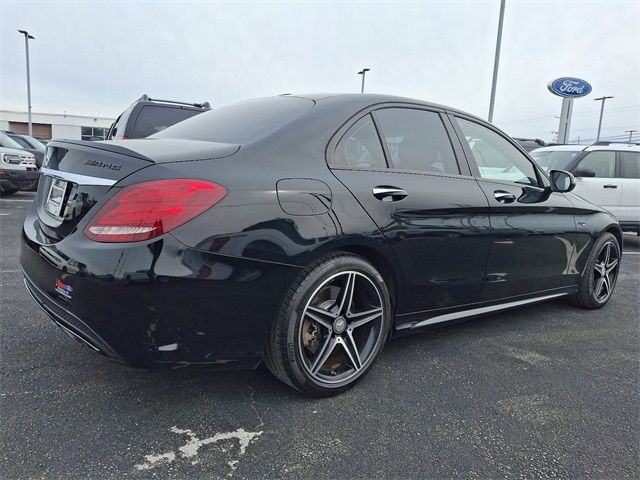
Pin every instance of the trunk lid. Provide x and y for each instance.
(76, 175)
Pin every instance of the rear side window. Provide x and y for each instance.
(497, 158)
(630, 164)
(119, 126)
(597, 164)
(155, 118)
(360, 147)
(241, 122)
(417, 140)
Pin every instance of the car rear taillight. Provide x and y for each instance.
(147, 210)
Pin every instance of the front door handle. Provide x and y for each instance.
(504, 197)
(609, 185)
(389, 194)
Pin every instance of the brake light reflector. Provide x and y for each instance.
(147, 210)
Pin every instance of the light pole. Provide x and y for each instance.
(630, 133)
(363, 72)
(602, 99)
(496, 61)
(28, 37)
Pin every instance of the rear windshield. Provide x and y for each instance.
(155, 118)
(242, 122)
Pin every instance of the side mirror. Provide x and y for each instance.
(562, 181)
(584, 172)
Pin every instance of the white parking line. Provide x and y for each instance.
(15, 200)
(630, 253)
(10, 271)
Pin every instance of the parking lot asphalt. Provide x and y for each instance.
(546, 391)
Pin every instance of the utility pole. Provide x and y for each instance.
(496, 61)
(28, 37)
(630, 132)
(363, 72)
(602, 99)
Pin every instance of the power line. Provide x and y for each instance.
(616, 110)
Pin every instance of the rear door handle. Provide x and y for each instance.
(389, 194)
(610, 186)
(504, 197)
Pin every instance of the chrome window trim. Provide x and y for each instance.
(76, 178)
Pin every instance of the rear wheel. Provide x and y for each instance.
(601, 273)
(331, 326)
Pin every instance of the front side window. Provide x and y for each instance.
(7, 142)
(23, 143)
(554, 159)
(497, 159)
(360, 147)
(597, 164)
(417, 140)
(630, 164)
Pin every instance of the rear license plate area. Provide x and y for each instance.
(56, 197)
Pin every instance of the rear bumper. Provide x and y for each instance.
(18, 179)
(158, 303)
(70, 324)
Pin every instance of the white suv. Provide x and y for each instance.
(18, 169)
(606, 174)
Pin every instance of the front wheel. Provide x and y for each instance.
(331, 326)
(600, 275)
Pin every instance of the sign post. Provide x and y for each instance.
(565, 120)
(568, 88)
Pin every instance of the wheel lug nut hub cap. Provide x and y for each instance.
(339, 325)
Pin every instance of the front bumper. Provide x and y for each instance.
(156, 303)
(18, 179)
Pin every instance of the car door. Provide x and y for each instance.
(533, 229)
(629, 175)
(596, 179)
(401, 166)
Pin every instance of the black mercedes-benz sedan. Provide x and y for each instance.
(304, 232)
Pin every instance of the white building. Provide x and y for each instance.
(54, 125)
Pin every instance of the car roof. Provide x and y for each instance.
(566, 148)
(365, 99)
(15, 134)
(615, 147)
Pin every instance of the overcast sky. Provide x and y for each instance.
(96, 58)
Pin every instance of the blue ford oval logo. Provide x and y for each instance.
(569, 87)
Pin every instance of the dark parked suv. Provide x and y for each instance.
(147, 116)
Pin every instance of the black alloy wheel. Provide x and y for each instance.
(331, 326)
(605, 271)
(600, 274)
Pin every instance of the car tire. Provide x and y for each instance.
(6, 193)
(600, 271)
(330, 327)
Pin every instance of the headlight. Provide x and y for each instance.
(11, 159)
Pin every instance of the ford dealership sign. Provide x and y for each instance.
(569, 87)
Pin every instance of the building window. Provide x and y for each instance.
(94, 133)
